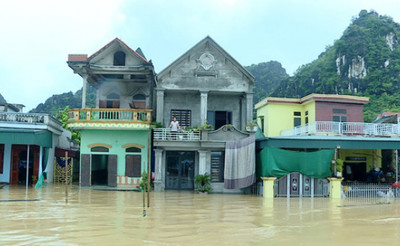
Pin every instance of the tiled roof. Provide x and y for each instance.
(120, 41)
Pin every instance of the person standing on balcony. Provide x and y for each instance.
(174, 125)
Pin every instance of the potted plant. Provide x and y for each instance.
(339, 167)
(156, 124)
(251, 126)
(203, 183)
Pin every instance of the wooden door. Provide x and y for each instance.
(85, 170)
(14, 166)
(112, 171)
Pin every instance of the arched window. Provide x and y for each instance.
(112, 101)
(133, 150)
(139, 101)
(119, 58)
(99, 149)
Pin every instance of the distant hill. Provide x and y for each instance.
(268, 76)
(365, 61)
(56, 103)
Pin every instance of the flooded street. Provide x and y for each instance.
(94, 217)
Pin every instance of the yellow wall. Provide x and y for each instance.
(311, 111)
(280, 117)
(374, 157)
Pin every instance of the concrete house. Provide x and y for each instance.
(319, 129)
(28, 144)
(115, 136)
(204, 86)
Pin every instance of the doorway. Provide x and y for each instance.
(99, 170)
(180, 170)
(20, 165)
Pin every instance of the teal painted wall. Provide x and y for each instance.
(116, 139)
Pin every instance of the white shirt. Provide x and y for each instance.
(174, 125)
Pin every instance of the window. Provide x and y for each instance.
(99, 149)
(112, 101)
(217, 166)
(339, 111)
(217, 119)
(306, 117)
(133, 166)
(119, 58)
(297, 119)
(262, 124)
(297, 113)
(133, 150)
(339, 118)
(183, 116)
(297, 122)
(1, 157)
(139, 101)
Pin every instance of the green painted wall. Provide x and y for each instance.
(116, 138)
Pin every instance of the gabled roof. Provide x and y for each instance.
(216, 46)
(2, 100)
(116, 40)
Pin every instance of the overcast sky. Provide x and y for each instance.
(37, 36)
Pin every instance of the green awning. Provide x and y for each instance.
(22, 136)
(273, 162)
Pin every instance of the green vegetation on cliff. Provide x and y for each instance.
(365, 61)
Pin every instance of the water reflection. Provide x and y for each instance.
(184, 218)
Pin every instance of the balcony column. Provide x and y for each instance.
(98, 98)
(85, 76)
(159, 179)
(160, 105)
(203, 167)
(243, 112)
(249, 106)
(203, 107)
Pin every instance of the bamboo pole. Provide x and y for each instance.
(27, 169)
(66, 176)
(148, 169)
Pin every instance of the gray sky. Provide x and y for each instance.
(37, 36)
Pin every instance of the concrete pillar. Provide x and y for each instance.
(97, 97)
(268, 186)
(243, 112)
(159, 179)
(203, 107)
(335, 187)
(249, 106)
(203, 162)
(84, 90)
(160, 105)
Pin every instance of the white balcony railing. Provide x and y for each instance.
(166, 135)
(344, 128)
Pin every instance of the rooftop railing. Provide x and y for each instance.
(167, 135)
(344, 128)
(110, 115)
(22, 117)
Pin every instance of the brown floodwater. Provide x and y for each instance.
(95, 217)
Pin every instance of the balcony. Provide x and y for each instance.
(344, 128)
(166, 135)
(99, 118)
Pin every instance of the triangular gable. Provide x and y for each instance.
(120, 42)
(217, 47)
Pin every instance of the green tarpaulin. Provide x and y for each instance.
(274, 162)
